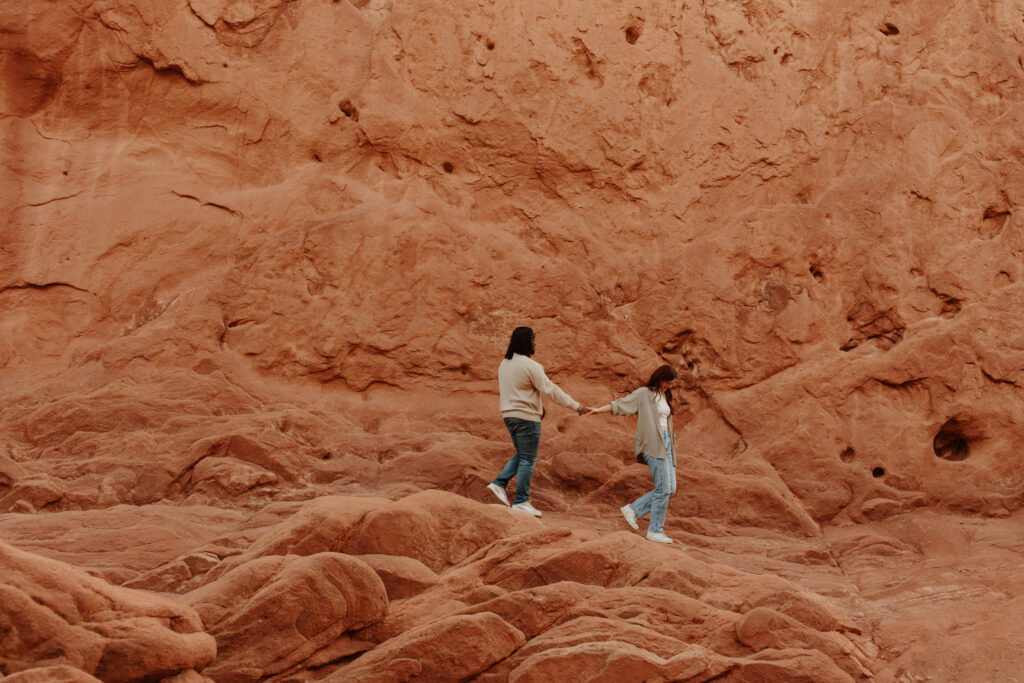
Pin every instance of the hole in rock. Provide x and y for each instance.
(848, 454)
(889, 29)
(817, 274)
(878, 472)
(992, 221)
(785, 58)
(316, 157)
(447, 166)
(64, 172)
(632, 34)
(349, 109)
(953, 440)
(326, 455)
(1003, 277)
(950, 307)
(490, 44)
(992, 212)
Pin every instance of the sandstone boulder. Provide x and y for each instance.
(763, 629)
(122, 542)
(402, 576)
(452, 648)
(436, 528)
(60, 673)
(273, 613)
(612, 661)
(58, 615)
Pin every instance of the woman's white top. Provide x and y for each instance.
(663, 412)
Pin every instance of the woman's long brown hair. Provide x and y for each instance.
(665, 373)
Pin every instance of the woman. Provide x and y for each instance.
(522, 385)
(653, 445)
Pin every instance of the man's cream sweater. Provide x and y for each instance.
(522, 385)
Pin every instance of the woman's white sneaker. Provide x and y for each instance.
(627, 512)
(498, 492)
(526, 507)
(658, 537)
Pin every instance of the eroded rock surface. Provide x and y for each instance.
(259, 260)
(57, 615)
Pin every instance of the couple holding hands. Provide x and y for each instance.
(522, 385)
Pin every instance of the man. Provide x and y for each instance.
(522, 385)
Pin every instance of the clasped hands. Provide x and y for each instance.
(584, 410)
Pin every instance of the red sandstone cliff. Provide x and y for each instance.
(259, 259)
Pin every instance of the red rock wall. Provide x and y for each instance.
(814, 207)
(263, 250)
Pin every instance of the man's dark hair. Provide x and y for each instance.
(521, 342)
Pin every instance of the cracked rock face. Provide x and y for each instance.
(259, 260)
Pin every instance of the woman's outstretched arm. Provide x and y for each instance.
(627, 405)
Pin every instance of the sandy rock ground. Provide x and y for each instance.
(259, 260)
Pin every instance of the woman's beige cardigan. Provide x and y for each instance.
(643, 404)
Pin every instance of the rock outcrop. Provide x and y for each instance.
(58, 617)
(259, 260)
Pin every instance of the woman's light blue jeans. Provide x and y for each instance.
(655, 502)
(526, 438)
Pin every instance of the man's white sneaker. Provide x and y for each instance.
(526, 507)
(658, 537)
(498, 492)
(627, 512)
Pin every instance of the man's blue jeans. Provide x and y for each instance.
(655, 502)
(526, 439)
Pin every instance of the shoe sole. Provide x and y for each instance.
(538, 513)
(655, 540)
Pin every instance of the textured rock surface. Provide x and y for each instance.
(273, 613)
(54, 614)
(259, 259)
